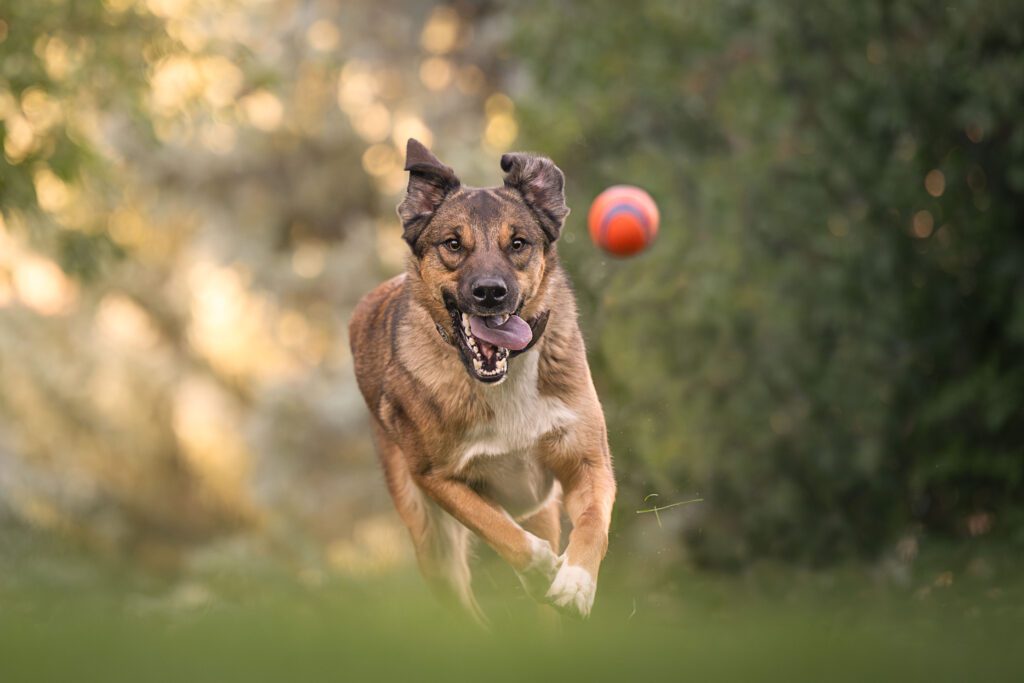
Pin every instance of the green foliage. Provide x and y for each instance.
(822, 344)
(62, 64)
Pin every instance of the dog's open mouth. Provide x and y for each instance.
(485, 342)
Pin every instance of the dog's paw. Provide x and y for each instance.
(573, 590)
(538, 575)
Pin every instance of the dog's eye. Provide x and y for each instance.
(453, 244)
(518, 244)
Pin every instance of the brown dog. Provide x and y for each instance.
(473, 365)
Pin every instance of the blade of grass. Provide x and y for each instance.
(658, 508)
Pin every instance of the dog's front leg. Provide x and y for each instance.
(589, 487)
(530, 556)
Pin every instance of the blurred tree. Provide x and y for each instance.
(62, 65)
(193, 195)
(823, 342)
(826, 339)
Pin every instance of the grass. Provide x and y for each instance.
(946, 622)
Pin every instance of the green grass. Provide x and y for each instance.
(771, 623)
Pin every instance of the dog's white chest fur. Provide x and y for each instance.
(521, 415)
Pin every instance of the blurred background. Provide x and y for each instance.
(823, 345)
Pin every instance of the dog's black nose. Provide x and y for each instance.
(489, 291)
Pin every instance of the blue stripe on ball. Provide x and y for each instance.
(625, 208)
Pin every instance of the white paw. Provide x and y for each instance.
(542, 558)
(537, 576)
(573, 590)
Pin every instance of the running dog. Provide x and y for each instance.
(473, 365)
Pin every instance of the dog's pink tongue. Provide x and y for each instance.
(514, 334)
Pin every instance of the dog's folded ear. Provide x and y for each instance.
(541, 185)
(430, 182)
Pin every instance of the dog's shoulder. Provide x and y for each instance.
(368, 330)
(372, 306)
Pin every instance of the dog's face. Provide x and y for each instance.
(482, 254)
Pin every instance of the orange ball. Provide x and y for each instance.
(623, 220)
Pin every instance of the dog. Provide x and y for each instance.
(472, 363)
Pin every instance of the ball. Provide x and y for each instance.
(623, 220)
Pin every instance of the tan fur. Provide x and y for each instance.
(455, 448)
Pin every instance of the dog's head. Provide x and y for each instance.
(482, 255)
